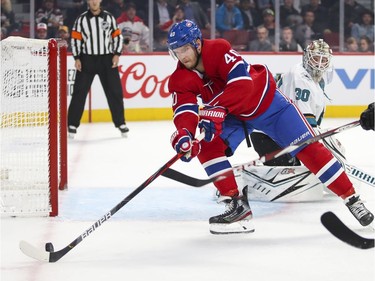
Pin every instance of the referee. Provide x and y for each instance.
(96, 47)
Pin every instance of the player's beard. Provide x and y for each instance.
(197, 58)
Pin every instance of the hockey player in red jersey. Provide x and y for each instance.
(239, 97)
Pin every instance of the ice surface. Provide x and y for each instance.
(162, 234)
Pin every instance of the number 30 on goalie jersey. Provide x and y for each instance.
(306, 94)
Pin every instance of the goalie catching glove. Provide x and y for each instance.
(211, 121)
(183, 142)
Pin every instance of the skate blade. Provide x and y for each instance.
(244, 226)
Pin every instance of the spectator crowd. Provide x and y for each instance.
(251, 20)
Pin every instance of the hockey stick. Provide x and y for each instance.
(180, 177)
(360, 175)
(338, 229)
(352, 171)
(49, 255)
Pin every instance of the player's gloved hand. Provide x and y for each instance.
(212, 121)
(183, 142)
(367, 118)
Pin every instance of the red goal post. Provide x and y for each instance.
(33, 144)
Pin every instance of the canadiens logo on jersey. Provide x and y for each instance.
(104, 25)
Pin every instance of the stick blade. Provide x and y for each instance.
(180, 177)
(338, 229)
(32, 252)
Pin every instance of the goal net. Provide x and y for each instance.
(33, 138)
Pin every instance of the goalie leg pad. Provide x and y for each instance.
(281, 184)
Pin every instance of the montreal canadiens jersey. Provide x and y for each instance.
(229, 81)
(136, 31)
(308, 95)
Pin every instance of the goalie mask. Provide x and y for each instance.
(317, 59)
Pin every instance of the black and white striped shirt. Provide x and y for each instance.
(96, 35)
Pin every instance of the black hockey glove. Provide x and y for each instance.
(367, 118)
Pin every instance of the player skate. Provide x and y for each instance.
(236, 218)
(359, 211)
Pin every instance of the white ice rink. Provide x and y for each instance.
(162, 234)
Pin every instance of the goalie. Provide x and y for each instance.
(304, 84)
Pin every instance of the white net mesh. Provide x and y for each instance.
(24, 171)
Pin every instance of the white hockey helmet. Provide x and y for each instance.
(317, 58)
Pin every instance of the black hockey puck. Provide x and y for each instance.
(49, 247)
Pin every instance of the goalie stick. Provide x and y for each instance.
(49, 255)
(180, 177)
(351, 170)
(360, 175)
(338, 229)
